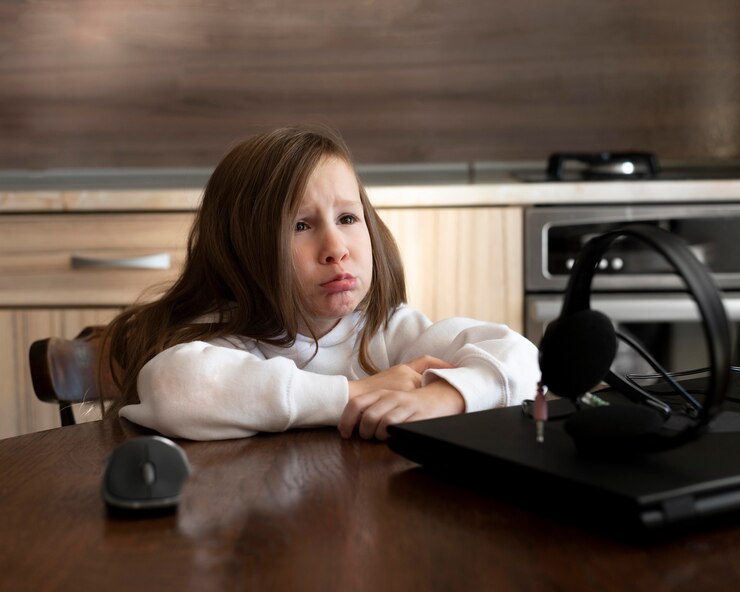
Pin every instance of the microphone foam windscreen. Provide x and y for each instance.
(576, 352)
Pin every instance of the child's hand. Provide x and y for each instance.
(373, 412)
(404, 377)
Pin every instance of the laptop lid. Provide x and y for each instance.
(684, 486)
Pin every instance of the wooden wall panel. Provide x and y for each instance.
(160, 83)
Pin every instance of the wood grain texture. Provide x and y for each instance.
(309, 511)
(462, 261)
(36, 254)
(131, 83)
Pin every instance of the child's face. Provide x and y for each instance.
(332, 253)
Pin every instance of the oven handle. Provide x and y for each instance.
(631, 309)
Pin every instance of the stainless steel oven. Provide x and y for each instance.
(635, 287)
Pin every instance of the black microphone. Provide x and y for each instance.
(584, 340)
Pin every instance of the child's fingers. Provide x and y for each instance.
(426, 363)
(392, 408)
(353, 412)
(400, 414)
(372, 416)
(374, 412)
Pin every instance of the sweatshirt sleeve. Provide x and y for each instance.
(202, 391)
(494, 365)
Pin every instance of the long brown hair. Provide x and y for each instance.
(238, 275)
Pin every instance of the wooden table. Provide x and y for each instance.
(307, 510)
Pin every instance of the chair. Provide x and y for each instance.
(65, 371)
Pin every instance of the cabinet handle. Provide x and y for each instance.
(156, 261)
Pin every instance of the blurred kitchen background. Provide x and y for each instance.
(163, 83)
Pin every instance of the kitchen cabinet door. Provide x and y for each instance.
(62, 272)
(91, 259)
(20, 411)
(462, 261)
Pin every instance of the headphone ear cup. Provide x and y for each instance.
(613, 430)
(576, 352)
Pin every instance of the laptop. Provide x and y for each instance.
(693, 485)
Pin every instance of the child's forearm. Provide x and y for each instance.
(203, 392)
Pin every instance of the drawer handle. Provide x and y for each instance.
(157, 261)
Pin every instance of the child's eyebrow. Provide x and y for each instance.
(338, 204)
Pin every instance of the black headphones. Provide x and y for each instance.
(578, 348)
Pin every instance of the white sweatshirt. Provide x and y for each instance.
(236, 387)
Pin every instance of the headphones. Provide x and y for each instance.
(578, 348)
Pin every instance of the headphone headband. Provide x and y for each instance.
(699, 283)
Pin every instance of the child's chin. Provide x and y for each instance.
(341, 303)
(340, 312)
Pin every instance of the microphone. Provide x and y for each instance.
(584, 340)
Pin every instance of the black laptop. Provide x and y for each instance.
(688, 486)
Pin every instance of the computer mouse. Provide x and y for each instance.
(145, 473)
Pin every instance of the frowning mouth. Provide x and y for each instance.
(340, 283)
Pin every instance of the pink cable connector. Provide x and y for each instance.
(540, 412)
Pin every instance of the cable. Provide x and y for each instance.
(661, 371)
(527, 404)
(679, 373)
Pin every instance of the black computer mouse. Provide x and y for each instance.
(145, 473)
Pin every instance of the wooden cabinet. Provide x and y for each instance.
(462, 261)
(95, 259)
(62, 272)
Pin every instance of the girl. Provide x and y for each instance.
(290, 313)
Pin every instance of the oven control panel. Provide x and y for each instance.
(554, 237)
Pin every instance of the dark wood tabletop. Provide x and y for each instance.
(307, 510)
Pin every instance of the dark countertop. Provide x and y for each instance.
(196, 178)
(406, 174)
(480, 184)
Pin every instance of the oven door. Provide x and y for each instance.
(668, 325)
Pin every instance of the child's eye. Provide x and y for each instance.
(348, 219)
(301, 226)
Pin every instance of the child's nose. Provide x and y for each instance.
(334, 247)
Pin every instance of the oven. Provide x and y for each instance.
(635, 286)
